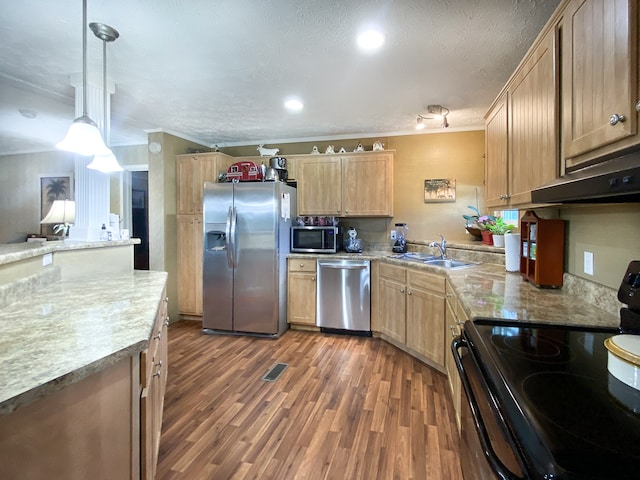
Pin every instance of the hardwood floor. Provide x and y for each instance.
(345, 408)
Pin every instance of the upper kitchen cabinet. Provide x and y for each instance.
(600, 89)
(497, 155)
(192, 171)
(319, 185)
(521, 130)
(359, 184)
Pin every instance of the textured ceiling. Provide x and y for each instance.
(219, 72)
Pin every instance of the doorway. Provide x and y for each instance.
(140, 218)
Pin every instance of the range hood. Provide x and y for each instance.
(611, 181)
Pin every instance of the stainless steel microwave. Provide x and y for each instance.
(314, 239)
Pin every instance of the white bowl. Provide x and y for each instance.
(624, 358)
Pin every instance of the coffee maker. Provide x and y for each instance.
(280, 165)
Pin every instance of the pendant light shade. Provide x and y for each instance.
(83, 136)
(105, 163)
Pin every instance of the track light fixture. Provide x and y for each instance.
(433, 112)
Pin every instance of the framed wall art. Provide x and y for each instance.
(52, 188)
(439, 190)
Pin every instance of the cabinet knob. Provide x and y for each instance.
(408, 292)
(453, 330)
(313, 278)
(615, 119)
(158, 336)
(402, 290)
(638, 106)
(302, 265)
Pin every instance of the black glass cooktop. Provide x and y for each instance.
(569, 415)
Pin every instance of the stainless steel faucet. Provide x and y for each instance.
(442, 246)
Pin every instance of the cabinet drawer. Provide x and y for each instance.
(399, 274)
(302, 265)
(429, 281)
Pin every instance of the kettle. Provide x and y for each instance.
(279, 163)
(271, 175)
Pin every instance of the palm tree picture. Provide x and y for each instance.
(52, 188)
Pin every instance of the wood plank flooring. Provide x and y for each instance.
(345, 408)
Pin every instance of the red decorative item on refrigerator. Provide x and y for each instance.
(244, 172)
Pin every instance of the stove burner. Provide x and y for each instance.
(533, 346)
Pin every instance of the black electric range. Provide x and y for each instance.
(543, 394)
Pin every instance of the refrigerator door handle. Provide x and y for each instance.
(229, 238)
(234, 247)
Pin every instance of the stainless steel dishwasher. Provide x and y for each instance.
(344, 295)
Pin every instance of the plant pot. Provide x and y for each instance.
(476, 233)
(498, 241)
(487, 237)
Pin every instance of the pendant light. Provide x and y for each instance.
(107, 162)
(83, 136)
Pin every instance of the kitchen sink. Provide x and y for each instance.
(414, 257)
(449, 263)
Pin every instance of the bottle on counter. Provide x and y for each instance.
(104, 235)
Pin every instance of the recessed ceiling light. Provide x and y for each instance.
(294, 105)
(370, 40)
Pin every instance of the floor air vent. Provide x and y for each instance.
(275, 371)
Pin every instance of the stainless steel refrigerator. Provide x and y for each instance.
(246, 240)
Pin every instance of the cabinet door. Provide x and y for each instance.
(186, 173)
(320, 186)
(301, 298)
(367, 185)
(533, 154)
(188, 266)
(599, 75)
(496, 161)
(426, 324)
(393, 309)
(197, 234)
(207, 171)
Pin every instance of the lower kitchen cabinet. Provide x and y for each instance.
(153, 378)
(426, 315)
(412, 311)
(301, 291)
(190, 264)
(392, 301)
(455, 317)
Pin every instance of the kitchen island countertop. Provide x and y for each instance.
(73, 328)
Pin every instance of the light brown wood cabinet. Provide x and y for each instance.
(360, 184)
(425, 315)
(412, 311)
(392, 301)
(521, 138)
(301, 291)
(190, 264)
(192, 171)
(599, 77)
(153, 375)
(455, 316)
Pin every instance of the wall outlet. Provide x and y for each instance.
(47, 259)
(588, 263)
(393, 234)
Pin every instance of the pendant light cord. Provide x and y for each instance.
(104, 88)
(84, 58)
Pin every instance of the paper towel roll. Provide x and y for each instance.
(512, 252)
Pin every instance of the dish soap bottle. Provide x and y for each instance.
(104, 235)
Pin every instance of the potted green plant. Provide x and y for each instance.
(498, 228)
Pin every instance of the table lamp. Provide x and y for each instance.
(63, 212)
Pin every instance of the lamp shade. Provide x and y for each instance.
(83, 138)
(105, 163)
(62, 211)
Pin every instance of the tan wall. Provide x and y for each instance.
(20, 190)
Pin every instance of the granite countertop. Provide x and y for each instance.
(14, 252)
(487, 290)
(72, 329)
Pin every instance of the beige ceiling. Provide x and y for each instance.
(218, 72)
